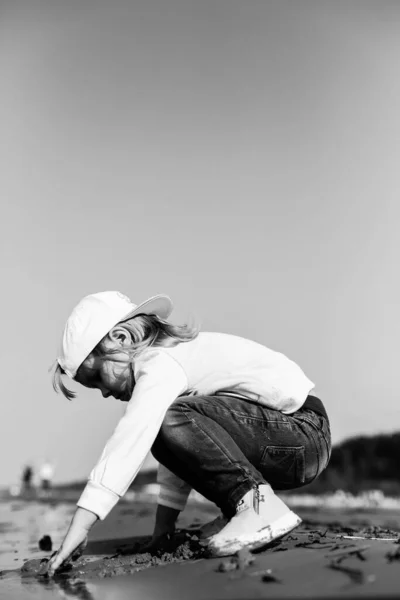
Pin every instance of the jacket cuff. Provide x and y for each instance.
(172, 498)
(98, 499)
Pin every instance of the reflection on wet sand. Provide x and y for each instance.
(63, 587)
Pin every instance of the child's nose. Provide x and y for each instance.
(105, 393)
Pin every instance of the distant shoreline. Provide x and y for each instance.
(365, 500)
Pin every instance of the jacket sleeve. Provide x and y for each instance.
(159, 381)
(174, 492)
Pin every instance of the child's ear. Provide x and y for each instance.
(120, 336)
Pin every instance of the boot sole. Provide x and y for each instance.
(257, 540)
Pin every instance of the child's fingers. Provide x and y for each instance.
(48, 568)
(45, 563)
(61, 560)
(159, 544)
(55, 564)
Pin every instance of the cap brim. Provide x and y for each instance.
(159, 305)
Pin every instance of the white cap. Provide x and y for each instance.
(94, 317)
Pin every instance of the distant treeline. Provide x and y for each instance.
(359, 464)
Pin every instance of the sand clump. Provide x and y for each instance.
(189, 549)
(238, 562)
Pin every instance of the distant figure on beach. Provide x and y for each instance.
(26, 479)
(223, 415)
(46, 473)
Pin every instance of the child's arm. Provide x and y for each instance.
(159, 381)
(164, 528)
(174, 492)
(75, 539)
(171, 501)
(166, 518)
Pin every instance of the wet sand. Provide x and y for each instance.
(331, 554)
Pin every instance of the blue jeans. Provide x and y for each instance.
(224, 446)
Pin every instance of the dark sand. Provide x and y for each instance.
(332, 554)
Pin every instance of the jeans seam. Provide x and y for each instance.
(313, 433)
(319, 436)
(254, 418)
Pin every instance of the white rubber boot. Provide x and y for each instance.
(261, 517)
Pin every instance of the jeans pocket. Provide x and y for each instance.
(283, 466)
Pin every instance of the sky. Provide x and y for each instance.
(240, 156)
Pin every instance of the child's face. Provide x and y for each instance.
(112, 375)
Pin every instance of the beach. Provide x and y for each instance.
(337, 551)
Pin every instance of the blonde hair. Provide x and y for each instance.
(145, 331)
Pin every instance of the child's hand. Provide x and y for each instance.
(49, 567)
(159, 544)
(61, 559)
(74, 542)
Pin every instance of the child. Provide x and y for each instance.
(222, 414)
